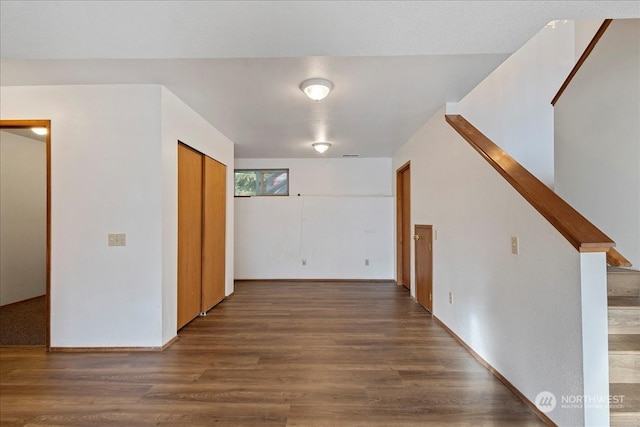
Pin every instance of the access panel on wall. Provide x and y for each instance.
(201, 233)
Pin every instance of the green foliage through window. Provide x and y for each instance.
(261, 182)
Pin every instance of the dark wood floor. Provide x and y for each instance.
(273, 354)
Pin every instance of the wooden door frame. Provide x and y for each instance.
(206, 305)
(26, 124)
(182, 321)
(399, 210)
(430, 252)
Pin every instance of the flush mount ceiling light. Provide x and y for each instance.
(321, 147)
(39, 131)
(316, 89)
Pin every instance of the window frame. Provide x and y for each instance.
(260, 181)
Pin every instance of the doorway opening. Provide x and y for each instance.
(424, 265)
(403, 224)
(26, 232)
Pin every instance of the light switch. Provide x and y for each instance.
(117, 239)
(515, 245)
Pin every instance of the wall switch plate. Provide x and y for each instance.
(366, 261)
(117, 239)
(515, 245)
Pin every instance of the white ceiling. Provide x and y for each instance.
(239, 64)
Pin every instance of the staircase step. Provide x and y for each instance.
(623, 288)
(624, 318)
(625, 404)
(624, 367)
(624, 343)
(623, 282)
(623, 301)
(625, 419)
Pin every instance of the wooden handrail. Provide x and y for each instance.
(583, 58)
(615, 259)
(583, 235)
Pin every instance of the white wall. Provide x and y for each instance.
(112, 171)
(181, 123)
(585, 30)
(521, 313)
(598, 138)
(342, 216)
(512, 106)
(105, 177)
(23, 218)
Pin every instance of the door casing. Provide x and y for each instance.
(403, 224)
(423, 237)
(27, 124)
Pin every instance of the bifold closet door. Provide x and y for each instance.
(189, 234)
(213, 233)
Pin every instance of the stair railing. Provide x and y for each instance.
(582, 234)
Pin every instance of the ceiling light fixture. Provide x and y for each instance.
(321, 147)
(316, 89)
(39, 131)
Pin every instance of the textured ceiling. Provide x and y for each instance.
(239, 64)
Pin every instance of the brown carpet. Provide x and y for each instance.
(23, 323)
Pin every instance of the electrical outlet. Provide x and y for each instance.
(304, 262)
(366, 261)
(450, 297)
(515, 245)
(117, 239)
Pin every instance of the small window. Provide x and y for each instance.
(261, 182)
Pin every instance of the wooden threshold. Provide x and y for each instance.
(497, 374)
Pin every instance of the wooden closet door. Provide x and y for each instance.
(213, 234)
(189, 234)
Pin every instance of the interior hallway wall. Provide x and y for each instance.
(23, 217)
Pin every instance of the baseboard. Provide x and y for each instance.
(319, 280)
(497, 374)
(169, 343)
(104, 349)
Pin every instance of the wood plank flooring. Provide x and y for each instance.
(273, 354)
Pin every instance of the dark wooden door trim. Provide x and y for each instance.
(208, 191)
(401, 206)
(189, 234)
(26, 124)
(213, 232)
(424, 265)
